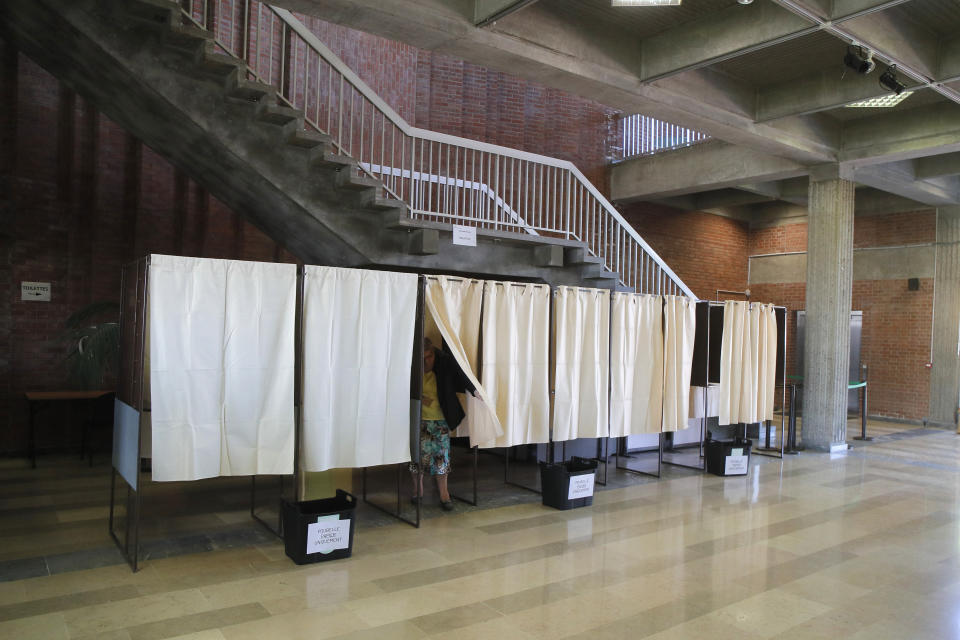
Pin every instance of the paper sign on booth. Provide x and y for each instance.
(735, 465)
(328, 535)
(580, 486)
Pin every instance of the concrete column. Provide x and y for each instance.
(829, 290)
(945, 375)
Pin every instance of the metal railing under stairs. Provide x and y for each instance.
(439, 177)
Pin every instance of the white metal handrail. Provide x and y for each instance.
(440, 177)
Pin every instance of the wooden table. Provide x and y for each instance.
(36, 399)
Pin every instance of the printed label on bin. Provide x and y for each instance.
(736, 452)
(580, 486)
(735, 465)
(324, 537)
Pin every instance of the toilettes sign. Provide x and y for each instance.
(35, 291)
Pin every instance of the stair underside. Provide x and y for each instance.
(207, 121)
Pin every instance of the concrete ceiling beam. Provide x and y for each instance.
(896, 179)
(489, 11)
(723, 198)
(947, 164)
(898, 41)
(819, 92)
(704, 167)
(732, 32)
(903, 135)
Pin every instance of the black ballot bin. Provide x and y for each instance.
(569, 484)
(314, 531)
(728, 457)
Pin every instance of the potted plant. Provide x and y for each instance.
(93, 338)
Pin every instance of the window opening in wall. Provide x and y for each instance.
(642, 135)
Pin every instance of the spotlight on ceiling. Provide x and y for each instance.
(860, 59)
(745, 1)
(643, 3)
(889, 81)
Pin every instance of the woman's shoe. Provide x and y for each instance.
(447, 506)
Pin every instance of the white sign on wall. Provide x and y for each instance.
(35, 291)
(735, 465)
(328, 535)
(466, 236)
(580, 486)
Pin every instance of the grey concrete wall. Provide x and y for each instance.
(945, 375)
(886, 263)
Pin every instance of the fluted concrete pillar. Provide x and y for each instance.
(829, 291)
(945, 375)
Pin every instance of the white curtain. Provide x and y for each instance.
(679, 328)
(744, 338)
(733, 360)
(221, 367)
(515, 356)
(582, 347)
(357, 347)
(454, 305)
(701, 407)
(636, 364)
(767, 361)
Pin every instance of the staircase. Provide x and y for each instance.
(269, 121)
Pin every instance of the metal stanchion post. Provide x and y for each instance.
(863, 406)
(792, 423)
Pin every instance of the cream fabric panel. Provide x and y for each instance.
(515, 355)
(636, 364)
(454, 305)
(221, 367)
(358, 346)
(733, 359)
(704, 408)
(767, 361)
(679, 328)
(582, 343)
(747, 362)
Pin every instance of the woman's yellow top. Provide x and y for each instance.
(430, 408)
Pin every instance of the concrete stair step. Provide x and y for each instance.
(395, 219)
(281, 116)
(348, 179)
(250, 90)
(580, 256)
(601, 275)
(187, 38)
(387, 204)
(155, 12)
(308, 139)
(334, 159)
(219, 65)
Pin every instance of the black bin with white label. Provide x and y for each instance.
(569, 484)
(728, 457)
(319, 530)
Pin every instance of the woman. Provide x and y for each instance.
(440, 413)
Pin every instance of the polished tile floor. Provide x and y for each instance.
(864, 544)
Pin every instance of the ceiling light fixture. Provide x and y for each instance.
(889, 81)
(860, 59)
(883, 101)
(745, 1)
(644, 3)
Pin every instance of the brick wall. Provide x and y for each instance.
(79, 197)
(706, 251)
(710, 252)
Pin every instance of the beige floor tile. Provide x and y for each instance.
(46, 627)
